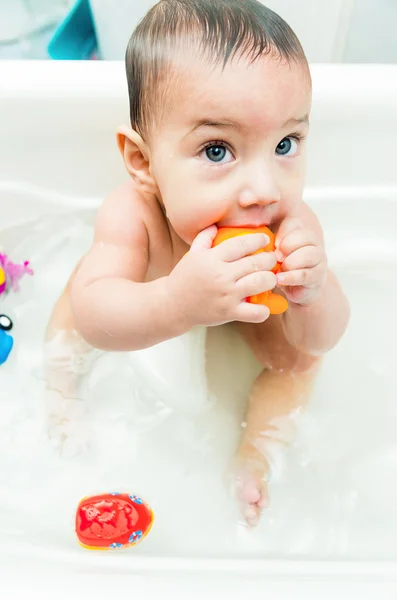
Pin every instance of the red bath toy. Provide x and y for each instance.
(115, 520)
(276, 303)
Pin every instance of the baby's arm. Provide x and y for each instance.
(114, 308)
(318, 309)
(317, 328)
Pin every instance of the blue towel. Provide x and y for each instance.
(75, 37)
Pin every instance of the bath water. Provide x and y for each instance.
(336, 495)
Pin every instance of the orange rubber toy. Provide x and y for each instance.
(276, 304)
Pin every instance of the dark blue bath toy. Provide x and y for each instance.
(6, 340)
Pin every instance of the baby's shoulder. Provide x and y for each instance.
(121, 217)
(123, 199)
(130, 217)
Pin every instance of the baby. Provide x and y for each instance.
(220, 97)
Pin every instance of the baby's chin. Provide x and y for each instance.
(244, 223)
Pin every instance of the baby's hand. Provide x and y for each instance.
(304, 262)
(211, 284)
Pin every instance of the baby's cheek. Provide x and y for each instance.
(189, 225)
(295, 188)
(192, 201)
(191, 207)
(184, 220)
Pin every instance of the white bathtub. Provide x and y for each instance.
(57, 133)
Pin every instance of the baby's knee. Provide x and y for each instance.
(307, 364)
(288, 359)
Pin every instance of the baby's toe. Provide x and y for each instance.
(252, 494)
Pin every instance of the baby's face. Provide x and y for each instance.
(230, 149)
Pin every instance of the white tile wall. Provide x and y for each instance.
(320, 25)
(372, 35)
(343, 30)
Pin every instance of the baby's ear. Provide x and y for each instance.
(136, 155)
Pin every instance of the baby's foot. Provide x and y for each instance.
(251, 484)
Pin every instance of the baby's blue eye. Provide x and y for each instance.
(287, 147)
(218, 153)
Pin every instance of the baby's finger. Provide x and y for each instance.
(256, 283)
(304, 277)
(264, 261)
(285, 228)
(306, 257)
(293, 241)
(251, 313)
(204, 240)
(241, 245)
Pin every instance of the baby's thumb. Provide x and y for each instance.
(204, 240)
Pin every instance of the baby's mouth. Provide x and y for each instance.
(253, 223)
(249, 218)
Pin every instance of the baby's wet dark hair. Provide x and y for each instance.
(218, 30)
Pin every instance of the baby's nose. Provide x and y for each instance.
(250, 198)
(262, 190)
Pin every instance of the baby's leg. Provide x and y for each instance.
(275, 400)
(68, 360)
(280, 391)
